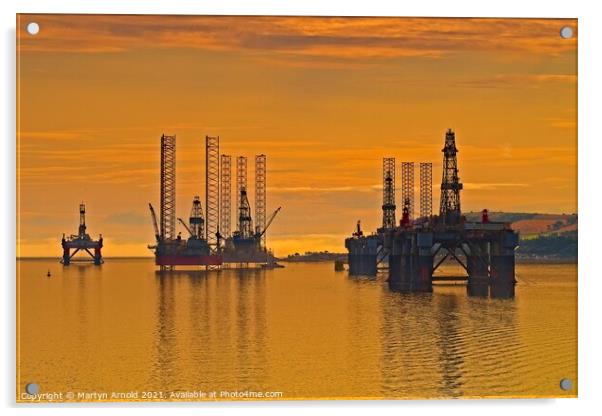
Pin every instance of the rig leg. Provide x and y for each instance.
(503, 265)
(362, 258)
(397, 277)
(478, 270)
(97, 257)
(411, 263)
(395, 274)
(410, 266)
(424, 271)
(66, 256)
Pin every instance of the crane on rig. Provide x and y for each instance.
(154, 218)
(181, 221)
(259, 233)
(244, 239)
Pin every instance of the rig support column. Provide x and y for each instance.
(411, 262)
(97, 253)
(395, 249)
(503, 264)
(424, 272)
(66, 253)
(478, 269)
(400, 263)
(362, 255)
(406, 263)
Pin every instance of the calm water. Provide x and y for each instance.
(305, 331)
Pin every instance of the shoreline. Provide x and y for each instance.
(284, 260)
(518, 261)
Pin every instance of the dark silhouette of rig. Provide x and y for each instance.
(416, 247)
(211, 241)
(81, 242)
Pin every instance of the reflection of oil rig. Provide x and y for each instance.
(415, 248)
(210, 240)
(81, 242)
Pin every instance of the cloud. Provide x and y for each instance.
(493, 186)
(317, 37)
(563, 123)
(518, 80)
(127, 218)
(310, 189)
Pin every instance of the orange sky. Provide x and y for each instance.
(324, 98)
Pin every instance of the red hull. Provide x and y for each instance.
(188, 260)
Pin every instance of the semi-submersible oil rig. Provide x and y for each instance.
(81, 242)
(416, 247)
(210, 241)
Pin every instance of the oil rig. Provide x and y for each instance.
(414, 249)
(81, 242)
(211, 242)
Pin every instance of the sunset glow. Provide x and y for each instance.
(324, 98)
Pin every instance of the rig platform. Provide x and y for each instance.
(211, 242)
(81, 242)
(415, 249)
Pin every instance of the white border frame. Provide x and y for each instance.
(590, 204)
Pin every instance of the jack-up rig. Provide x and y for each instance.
(81, 242)
(211, 242)
(415, 248)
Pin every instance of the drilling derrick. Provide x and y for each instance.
(388, 192)
(241, 184)
(245, 222)
(212, 189)
(168, 187)
(247, 244)
(260, 198)
(225, 228)
(426, 189)
(407, 188)
(449, 210)
(82, 220)
(196, 220)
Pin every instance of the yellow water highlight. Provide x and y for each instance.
(305, 332)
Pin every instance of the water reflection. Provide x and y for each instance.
(199, 340)
(82, 298)
(450, 344)
(407, 340)
(494, 354)
(446, 336)
(250, 326)
(304, 330)
(211, 329)
(164, 368)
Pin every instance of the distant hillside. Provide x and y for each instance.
(500, 216)
(542, 236)
(313, 256)
(533, 224)
(550, 247)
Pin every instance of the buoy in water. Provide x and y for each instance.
(48, 274)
